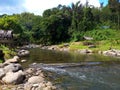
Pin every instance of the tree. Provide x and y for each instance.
(10, 23)
(114, 6)
(77, 16)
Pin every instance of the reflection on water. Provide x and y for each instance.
(67, 71)
(47, 56)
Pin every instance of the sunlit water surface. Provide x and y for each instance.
(72, 71)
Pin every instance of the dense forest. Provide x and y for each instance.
(65, 23)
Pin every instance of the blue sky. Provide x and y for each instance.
(105, 2)
(38, 6)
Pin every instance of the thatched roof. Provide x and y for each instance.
(6, 34)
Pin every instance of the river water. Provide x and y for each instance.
(72, 71)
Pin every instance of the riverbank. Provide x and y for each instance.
(88, 47)
(14, 77)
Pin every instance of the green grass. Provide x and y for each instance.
(100, 45)
(104, 34)
(77, 46)
(104, 39)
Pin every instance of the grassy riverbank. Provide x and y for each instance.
(97, 45)
(103, 39)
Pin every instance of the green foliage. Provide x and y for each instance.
(8, 53)
(65, 23)
(1, 61)
(10, 23)
(104, 34)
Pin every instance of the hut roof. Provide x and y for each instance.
(6, 33)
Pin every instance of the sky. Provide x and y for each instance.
(38, 6)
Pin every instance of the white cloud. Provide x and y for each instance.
(11, 10)
(38, 6)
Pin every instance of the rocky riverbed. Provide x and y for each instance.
(14, 77)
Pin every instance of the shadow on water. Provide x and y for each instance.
(72, 71)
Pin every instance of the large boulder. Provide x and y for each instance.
(12, 60)
(2, 73)
(35, 79)
(14, 77)
(13, 67)
(23, 53)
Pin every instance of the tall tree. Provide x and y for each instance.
(114, 6)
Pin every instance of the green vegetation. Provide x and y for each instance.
(7, 52)
(1, 61)
(67, 24)
(99, 45)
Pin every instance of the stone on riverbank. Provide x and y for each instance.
(35, 80)
(12, 74)
(14, 77)
(84, 51)
(22, 53)
(112, 52)
(12, 60)
(2, 73)
(23, 60)
(12, 67)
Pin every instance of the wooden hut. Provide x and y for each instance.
(6, 37)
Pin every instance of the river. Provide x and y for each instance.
(73, 71)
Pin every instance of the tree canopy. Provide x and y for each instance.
(62, 23)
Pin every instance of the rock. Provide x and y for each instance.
(54, 88)
(44, 47)
(88, 51)
(66, 45)
(87, 38)
(104, 52)
(13, 67)
(36, 79)
(49, 84)
(23, 61)
(30, 46)
(118, 54)
(43, 85)
(100, 52)
(2, 73)
(1, 65)
(14, 78)
(34, 63)
(30, 70)
(112, 52)
(27, 86)
(47, 88)
(41, 75)
(35, 85)
(91, 46)
(85, 51)
(64, 49)
(13, 60)
(23, 53)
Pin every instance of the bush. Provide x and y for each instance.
(104, 34)
(7, 52)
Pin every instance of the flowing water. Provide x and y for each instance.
(72, 71)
